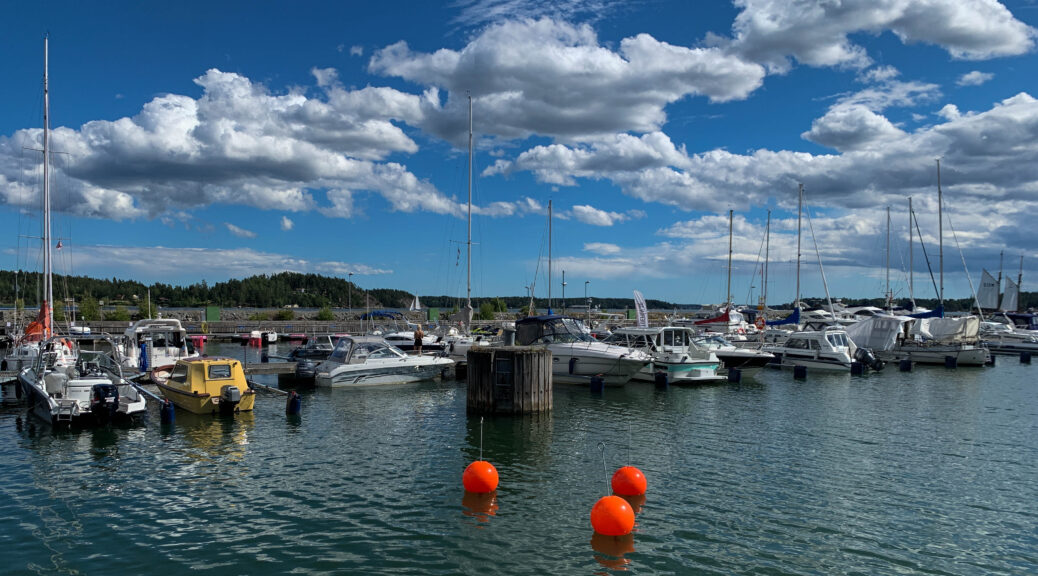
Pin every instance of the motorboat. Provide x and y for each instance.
(360, 361)
(576, 356)
(155, 342)
(748, 360)
(1002, 338)
(673, 350)
(403, 338)
(74, 386)
(208, 385)
(317, 347)
(829, 349)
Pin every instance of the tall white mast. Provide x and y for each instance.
(800, 209)
(889, 296)
(940, 233)
(911, 264)
(767, 254)
(468, 243)
(728, 295)
(549, 254)
(48, 284)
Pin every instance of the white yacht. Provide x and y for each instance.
(576, 356)
(830, 349)
(1002, 338)
(934, 340)
(748, 360)
(155, 342)
(673, 350)
(359, 361)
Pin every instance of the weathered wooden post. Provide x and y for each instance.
(509, 380)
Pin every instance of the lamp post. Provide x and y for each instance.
(587, 301)
(349, 287)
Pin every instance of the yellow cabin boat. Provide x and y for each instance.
(208, 385)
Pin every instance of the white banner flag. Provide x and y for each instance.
(641, 310)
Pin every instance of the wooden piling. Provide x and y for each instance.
(509, 380)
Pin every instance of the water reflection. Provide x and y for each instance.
(610, 550)
(480, 506)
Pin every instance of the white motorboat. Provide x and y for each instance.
(155, 342)
(673, 350)
(72, 385)
(576, 356)
(934, 340)
(360, 361)
(1002, 338)
(815, 350)
(748, 360)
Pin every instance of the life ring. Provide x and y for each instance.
(205, 327)
(760, 324)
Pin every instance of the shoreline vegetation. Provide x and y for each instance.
(296, 296)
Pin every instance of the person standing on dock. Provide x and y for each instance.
(418, 336)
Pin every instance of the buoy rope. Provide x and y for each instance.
(605, 469)
(481, 438)
(630, 436)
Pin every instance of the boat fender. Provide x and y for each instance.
(294, 404)
(166, 412)
(572, 364)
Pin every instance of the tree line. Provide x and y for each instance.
(294, 289)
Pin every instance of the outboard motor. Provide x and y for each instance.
(104, 401)
(868, 358)
(306, 370)
(230, 396)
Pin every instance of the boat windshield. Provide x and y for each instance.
(837, 339)
(374, 350)
(711, 342)
(553, 331)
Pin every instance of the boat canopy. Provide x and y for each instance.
(877, 332)
(382, 314)
(549, 329)
(948, 330)
(793, 318)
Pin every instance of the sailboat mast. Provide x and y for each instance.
(728, 294)
(48, 284)
(767, 253)
(940, 233)
(800, 209)
(468, 242)
(549, 254)
(1001, 254)
(1020, 276)
(911, 264)
(888, 295)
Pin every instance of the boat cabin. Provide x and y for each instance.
(550, 329)
(359, 349)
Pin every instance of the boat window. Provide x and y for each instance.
(837, 339)
(341, 351)
(814, 345)
(796, 343)
(179, 373)
(219, 371)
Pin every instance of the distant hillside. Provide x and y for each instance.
(316, 291)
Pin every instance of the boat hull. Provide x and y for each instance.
(76, 411)
(575, 366)
(203, 403)
(680, 372)
(964, 356)
(786, 360)
(360, 375)
(748, 364)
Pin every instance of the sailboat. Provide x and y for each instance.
(415, 305)
(458, 341)
(931, 338)
(63, 385)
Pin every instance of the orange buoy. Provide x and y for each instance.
(480, 477)
(629, 481)
(612, 516)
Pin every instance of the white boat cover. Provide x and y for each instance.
(877, 332)
(948, 330)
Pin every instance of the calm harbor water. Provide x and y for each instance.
(931, 472)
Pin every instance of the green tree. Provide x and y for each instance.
(486, 311)
(259, 316)
(89, 311)
(121, 314)
(325, 314)
(285, 314)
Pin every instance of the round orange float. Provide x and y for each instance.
(612, 516)
(480, 477)
(629, 481)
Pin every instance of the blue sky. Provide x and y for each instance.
(211, 140)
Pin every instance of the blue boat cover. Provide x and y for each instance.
(793, 318)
